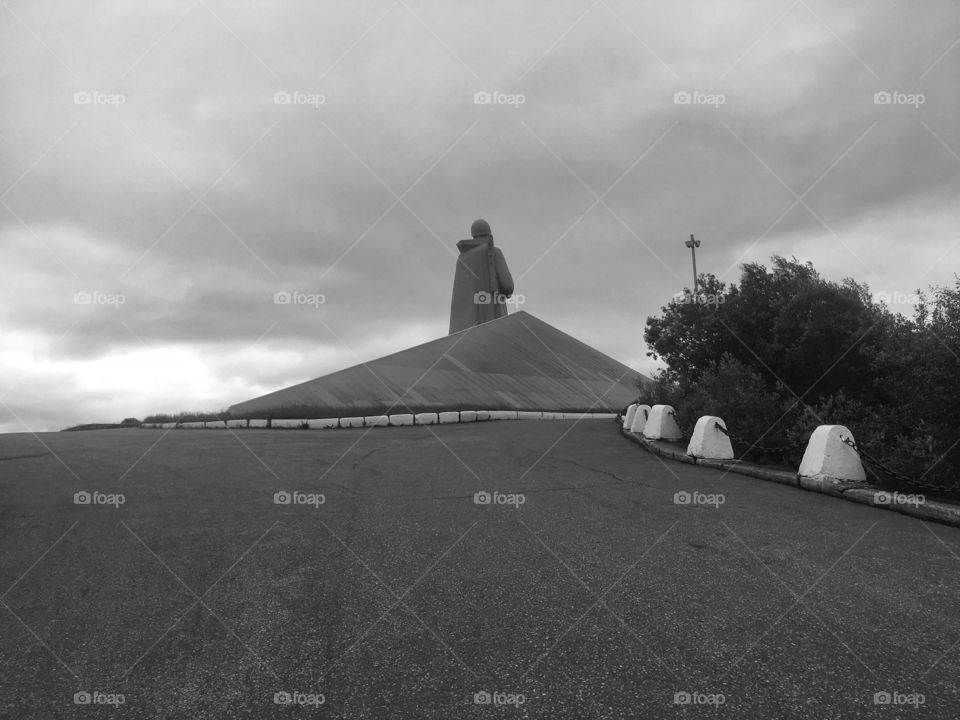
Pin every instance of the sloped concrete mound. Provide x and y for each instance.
(517, 361)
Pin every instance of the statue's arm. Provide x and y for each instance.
(504, 278)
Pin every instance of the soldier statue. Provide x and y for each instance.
(482, 282)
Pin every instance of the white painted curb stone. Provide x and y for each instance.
(827, 456)
(639, 419)
(324, 423)
(287, 423)
(709, 442)
(661, 424)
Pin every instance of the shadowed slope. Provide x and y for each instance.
(515, 362)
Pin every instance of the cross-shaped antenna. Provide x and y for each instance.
(693, 245)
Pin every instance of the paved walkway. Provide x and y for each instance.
(398, 596)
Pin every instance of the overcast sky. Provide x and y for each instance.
(156, 191)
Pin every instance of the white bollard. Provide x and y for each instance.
(401, 419)
(628, 418)
(324, 423)
(426, 418)
(639, 419)
(828, 457)
(351, 422)
(708, 441)
(661, 424)
(445, 418)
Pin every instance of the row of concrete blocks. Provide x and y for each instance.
(404, 419)
(828, 455)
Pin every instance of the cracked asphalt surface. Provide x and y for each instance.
(400, 597)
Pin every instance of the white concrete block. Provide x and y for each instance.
(167, 426)
(503, 414)
(376, 421)
(426, 418)
(526, 415)
(324, 423)
(191, 425)
(640, 418)
(449, 417)
(709, 442)
(483, 415)
(236, 423)
(468, 416)
(351, 422)
(628, 418)
(216, 424)
(661, 424)
(256, 423)
(287, 423)
(401, 419)
(545, 415)
(827, 456)
(602, 416)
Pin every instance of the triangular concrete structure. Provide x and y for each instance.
(517, 362)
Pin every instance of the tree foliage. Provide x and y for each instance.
(784, 350)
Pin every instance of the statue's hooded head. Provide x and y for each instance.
(480, 228)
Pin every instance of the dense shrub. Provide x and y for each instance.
(786, 350)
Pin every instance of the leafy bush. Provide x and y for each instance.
(787, 350)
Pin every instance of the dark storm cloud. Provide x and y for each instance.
(198, 196)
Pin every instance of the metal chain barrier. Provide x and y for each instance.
(748, 443)
(874, 463)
